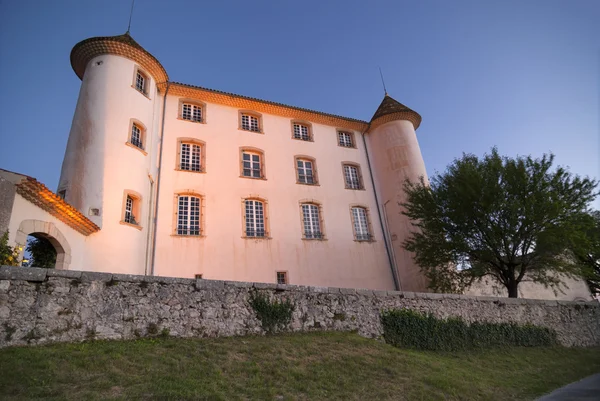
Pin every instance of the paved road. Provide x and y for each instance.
(587, 389)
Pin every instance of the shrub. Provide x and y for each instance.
(273, 315)
(409, 329)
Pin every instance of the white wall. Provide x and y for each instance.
(99, 166)
(572, 290)
(396, 156)
(24, 210)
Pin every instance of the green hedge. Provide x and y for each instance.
(409, 329)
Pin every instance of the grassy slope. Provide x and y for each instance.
(317, 366)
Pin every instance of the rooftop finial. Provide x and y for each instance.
(130, 14)
(382, 81)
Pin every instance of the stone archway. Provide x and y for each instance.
(51, 233)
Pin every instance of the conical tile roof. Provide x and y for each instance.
(121, 45)
(390, 110)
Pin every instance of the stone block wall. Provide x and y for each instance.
(43, 306)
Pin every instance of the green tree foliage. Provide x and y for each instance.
(511, 219)
(9, 255)
(42, 253)
(588, 250)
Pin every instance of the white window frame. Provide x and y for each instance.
(255, 220)
(141, 82)
(311, 221)
(189, 215)
(194, 112)
(345, 139)
(137, 131)
(301, 132)
(252, 168)
(306, 171)
(250, 122)
(352, 177)
(129, 217)
(190, 156)
(360, 222)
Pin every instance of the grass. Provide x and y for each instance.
(317, 366)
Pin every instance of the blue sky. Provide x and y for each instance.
(520, 75)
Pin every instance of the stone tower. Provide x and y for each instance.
(119, 104)
(395, 157)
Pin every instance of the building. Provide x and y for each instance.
(164, 178)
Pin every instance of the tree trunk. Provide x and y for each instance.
(512, 289)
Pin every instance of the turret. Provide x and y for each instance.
(396, 156)
(112, 146)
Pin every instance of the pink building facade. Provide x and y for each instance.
(190, 182)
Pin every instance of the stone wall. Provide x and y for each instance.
(42, 306)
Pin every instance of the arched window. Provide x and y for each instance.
(141, 81)
(250, 121)
(306, 170)
(136, 137)
(255, 218)
(361, 223)
(352, 175)
(312, 221)
(191, 155)
(252, 163)
(189, 214)
(192, 110)
(302, 131)
(346, 139)
(132, 209)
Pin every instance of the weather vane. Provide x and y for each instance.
(130, 14)
(382, 81)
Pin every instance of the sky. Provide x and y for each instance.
(522, 75)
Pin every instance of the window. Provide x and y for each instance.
(131, 214)
(254, 218)
(129, 217)
(250, 122)
(252, 163)
(191, 111)
(311, 221)
(352, 176)
(302, 131)
(136, 136)
(198, 276)
(360, 221)
(62, 193)
(141, 82)
(306, 170)
(282, 278)
(188, 215)
(190, 156)
(345, 139)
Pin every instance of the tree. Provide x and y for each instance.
(9, 255)
(588, 251)
(511, 219)
(42, 253)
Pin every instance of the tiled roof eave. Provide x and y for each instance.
(38, 194)
(122, 45)
(265, 106)
(407, 115)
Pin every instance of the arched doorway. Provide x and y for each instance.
(48, 231)
(39, 251)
